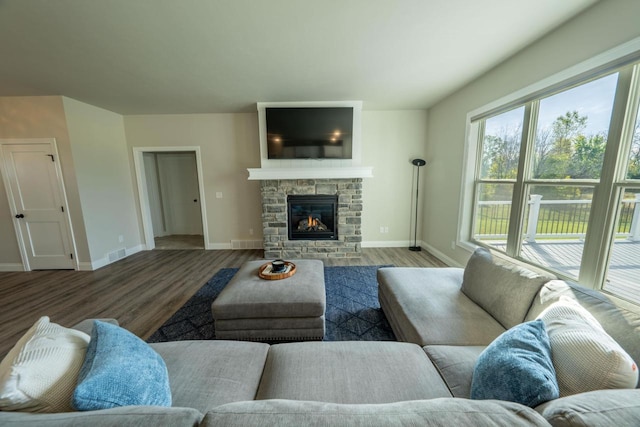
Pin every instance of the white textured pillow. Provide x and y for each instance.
(40, 372)
(585, 357)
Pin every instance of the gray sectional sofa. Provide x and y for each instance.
(432, 308)
(424, 381)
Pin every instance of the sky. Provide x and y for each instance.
(593, 99)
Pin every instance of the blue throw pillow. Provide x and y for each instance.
(120, 369)
(517, 367)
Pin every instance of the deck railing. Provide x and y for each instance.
(553, 219)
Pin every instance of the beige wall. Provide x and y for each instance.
(229, 145)
(390, 140)
(604, 26)
(39, 117)
(104, 179)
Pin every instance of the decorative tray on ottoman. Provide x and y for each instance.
(266, 271)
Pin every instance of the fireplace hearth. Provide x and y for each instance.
(312, 217)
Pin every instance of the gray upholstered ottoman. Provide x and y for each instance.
(291, 309)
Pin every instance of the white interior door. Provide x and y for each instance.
(36, 196)
(180, 192)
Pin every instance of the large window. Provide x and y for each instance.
(558, 182)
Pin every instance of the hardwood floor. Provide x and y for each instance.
(141, 291)
(180, 241)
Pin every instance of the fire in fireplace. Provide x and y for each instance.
(312, 217)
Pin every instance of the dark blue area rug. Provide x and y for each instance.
(353, 312)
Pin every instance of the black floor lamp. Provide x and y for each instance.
(417, 163)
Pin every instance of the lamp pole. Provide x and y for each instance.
(417, 163)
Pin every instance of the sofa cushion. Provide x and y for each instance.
(517, 367)
(596, 408)
(455, 364)
(416, 299)
(40, 372)
(120, 369)
(428, 413)
(622, 324)
(505, 291)
(123, 416)
(585, 357)
(350, 372)
(205, 374)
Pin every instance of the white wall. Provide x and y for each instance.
(104, 179)
(602, 27)
(39, 117)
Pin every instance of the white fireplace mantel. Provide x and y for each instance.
(311, 173)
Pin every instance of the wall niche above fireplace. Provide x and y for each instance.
(312, 217)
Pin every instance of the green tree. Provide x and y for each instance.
(501, 153)
(555, 152)
(634, 155)
(587, 157)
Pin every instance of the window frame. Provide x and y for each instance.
(608, 190)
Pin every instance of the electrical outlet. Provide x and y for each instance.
(386, 229)
(251, 231)
(381, 229)
(121, 238)
(218, 194)
(453, 245)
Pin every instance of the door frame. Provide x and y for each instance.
(143, 192)
(58, 168)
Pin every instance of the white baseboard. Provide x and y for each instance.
(218, 246)
(94, 265)
(442, 257)
(85, 266)
(386, 244)
(11, 267)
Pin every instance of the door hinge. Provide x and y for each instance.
(62, 208)
(71, 255)
(51, 155)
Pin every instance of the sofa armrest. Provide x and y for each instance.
(594, 408)
(86, 325)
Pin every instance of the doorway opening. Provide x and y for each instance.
(171, 197)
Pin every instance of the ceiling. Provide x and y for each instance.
(208, 56)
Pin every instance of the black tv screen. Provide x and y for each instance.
(309, 133)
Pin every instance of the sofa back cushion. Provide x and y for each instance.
(504, 291)
(621, 324)
(432, 413)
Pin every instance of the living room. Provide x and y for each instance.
(420, 104)
(95, 149)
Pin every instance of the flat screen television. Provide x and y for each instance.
(309, 132)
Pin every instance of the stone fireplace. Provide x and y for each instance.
(311, 227)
